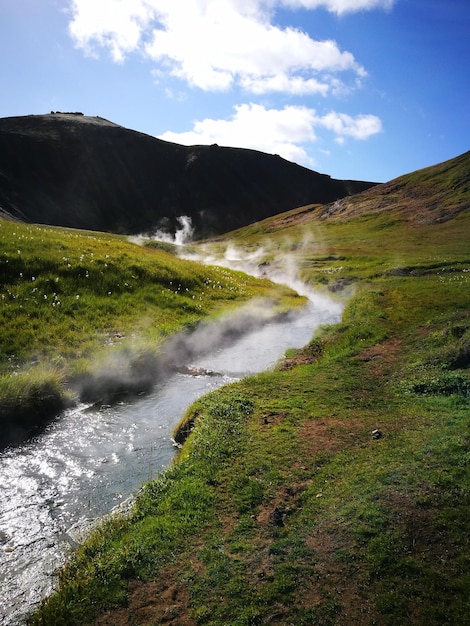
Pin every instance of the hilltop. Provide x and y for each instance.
(73, 170)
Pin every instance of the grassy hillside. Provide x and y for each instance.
(334, 490)
(83, 316)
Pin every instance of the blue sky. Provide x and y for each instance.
(359, 89)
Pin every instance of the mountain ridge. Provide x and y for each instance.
(73, 170)
(431, 195)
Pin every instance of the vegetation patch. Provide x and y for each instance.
(335, 489)
(84, 317)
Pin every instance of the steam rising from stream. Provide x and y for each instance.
(283, 269)
(133, 371)
(90, 460)
(183, 233)
(136, 370)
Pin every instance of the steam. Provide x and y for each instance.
(182, 235)
(135, 370)
(224, 331)
(273, 261)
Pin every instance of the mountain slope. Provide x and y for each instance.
(86, 172)
(430, 195)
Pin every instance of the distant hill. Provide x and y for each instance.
(68, 169)
(430, 195)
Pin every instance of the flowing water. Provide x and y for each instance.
(89, 461)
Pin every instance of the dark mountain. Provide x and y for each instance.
(67, 169)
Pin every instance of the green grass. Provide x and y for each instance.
(283, 508)
(71, 300)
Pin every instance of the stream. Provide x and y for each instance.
(89, 461)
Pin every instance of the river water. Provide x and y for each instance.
(89, 461)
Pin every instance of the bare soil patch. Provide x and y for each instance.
(349, 595)
(159, 602)
(382, 357)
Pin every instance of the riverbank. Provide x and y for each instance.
(333, 490)
(57, 486)
(288, 480)
(84, 315)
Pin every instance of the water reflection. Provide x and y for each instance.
(89, 461)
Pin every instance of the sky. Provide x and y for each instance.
(357, 89)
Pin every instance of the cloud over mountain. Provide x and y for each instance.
(220, 46)
(279, 131)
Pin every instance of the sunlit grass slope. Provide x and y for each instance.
(69, 299)
(333, 491)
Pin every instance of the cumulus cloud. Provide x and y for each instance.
(276, 131)
(283, 83)
(114, 24)
(218, 44)
(222, 45)
(343, 125)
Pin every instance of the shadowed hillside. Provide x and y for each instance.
(86, 172)
(430, 196)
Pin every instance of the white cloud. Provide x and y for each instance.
(221, 46)
(340, 6)
(283, 83)
(214, 44)
(276, 131)
(114, 24)
(217, 45)
(343, 125)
